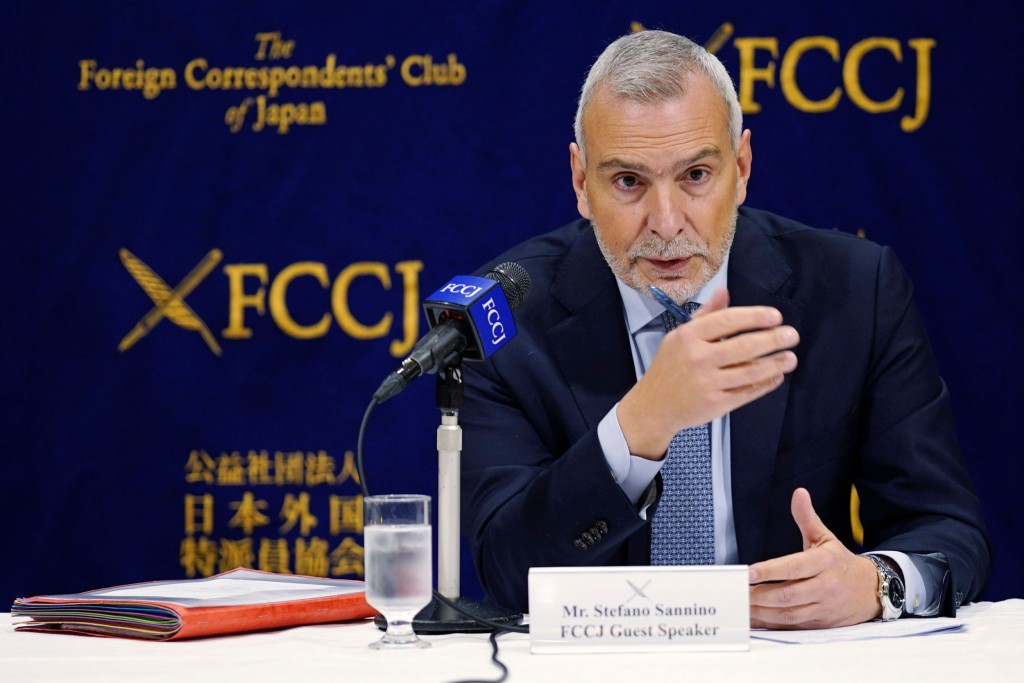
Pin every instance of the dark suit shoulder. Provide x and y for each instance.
(566, 264)
(551, 246)
(796, 236)
(812, 265)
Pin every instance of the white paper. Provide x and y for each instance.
(899, 628)
(224, 588)
(236, 587)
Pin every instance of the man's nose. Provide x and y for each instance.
(666, 213)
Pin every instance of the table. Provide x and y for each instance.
(991, 649)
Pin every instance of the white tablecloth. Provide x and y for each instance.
(990, 649)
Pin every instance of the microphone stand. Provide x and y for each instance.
(437, 617)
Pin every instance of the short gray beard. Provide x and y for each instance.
(652, 246)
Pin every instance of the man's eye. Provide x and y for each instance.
(697, 174)
(627, 181)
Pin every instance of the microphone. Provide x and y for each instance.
(469, 317)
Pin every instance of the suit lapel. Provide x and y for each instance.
(592, 348)
(591, 343)
(757, 275)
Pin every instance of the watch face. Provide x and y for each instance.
(896, 593)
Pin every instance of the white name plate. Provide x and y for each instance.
(639, 609)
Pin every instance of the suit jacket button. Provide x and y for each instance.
(580, 544)
(601, 526)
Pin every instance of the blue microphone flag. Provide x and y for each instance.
(479, 302)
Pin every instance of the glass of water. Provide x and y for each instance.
(397, 537)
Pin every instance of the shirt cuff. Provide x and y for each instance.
(919, 597)
(633, 474)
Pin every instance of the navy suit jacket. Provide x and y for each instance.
(865, 406)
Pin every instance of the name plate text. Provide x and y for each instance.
(639, 609)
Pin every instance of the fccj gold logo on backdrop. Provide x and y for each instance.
(252, 290)
(760, 67)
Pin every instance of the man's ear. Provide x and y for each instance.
(579, 179)
(744, 159)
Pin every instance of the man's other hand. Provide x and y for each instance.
(823, 586)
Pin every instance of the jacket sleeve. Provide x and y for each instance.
(916, 493)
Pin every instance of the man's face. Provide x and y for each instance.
(661, 186)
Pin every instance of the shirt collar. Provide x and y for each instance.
(641, 309)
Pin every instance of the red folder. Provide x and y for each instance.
(233, 602)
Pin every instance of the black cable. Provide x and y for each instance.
(498, 629)
(494, 658)
(359, 447)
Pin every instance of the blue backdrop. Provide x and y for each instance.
(219, 220)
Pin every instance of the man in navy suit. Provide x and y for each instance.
(806, 358)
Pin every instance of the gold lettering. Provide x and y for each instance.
(214, 78)
(317, 113)
(787, 74)
(261, 113)
(235, 116)
(409, 270)
(238, 300)
(851, 74)
(348, 558)
(456, 71)
(236, 553)
(198, 514)
(749, 74)
(264, 39)
(311, 559)
(923, 48)
(150, 81)
(420, 70)
(197, 64)
(156, 81)
(86, 71)
(274, 555)
(279, 305)
(326, 73)
(198, 556)
(272, 47)
(339, 300)
(283, 116)
(412, 62)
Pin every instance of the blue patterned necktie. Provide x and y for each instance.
(683, 527)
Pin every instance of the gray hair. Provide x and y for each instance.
(654, 67)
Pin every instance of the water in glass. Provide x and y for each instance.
(397, 541)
